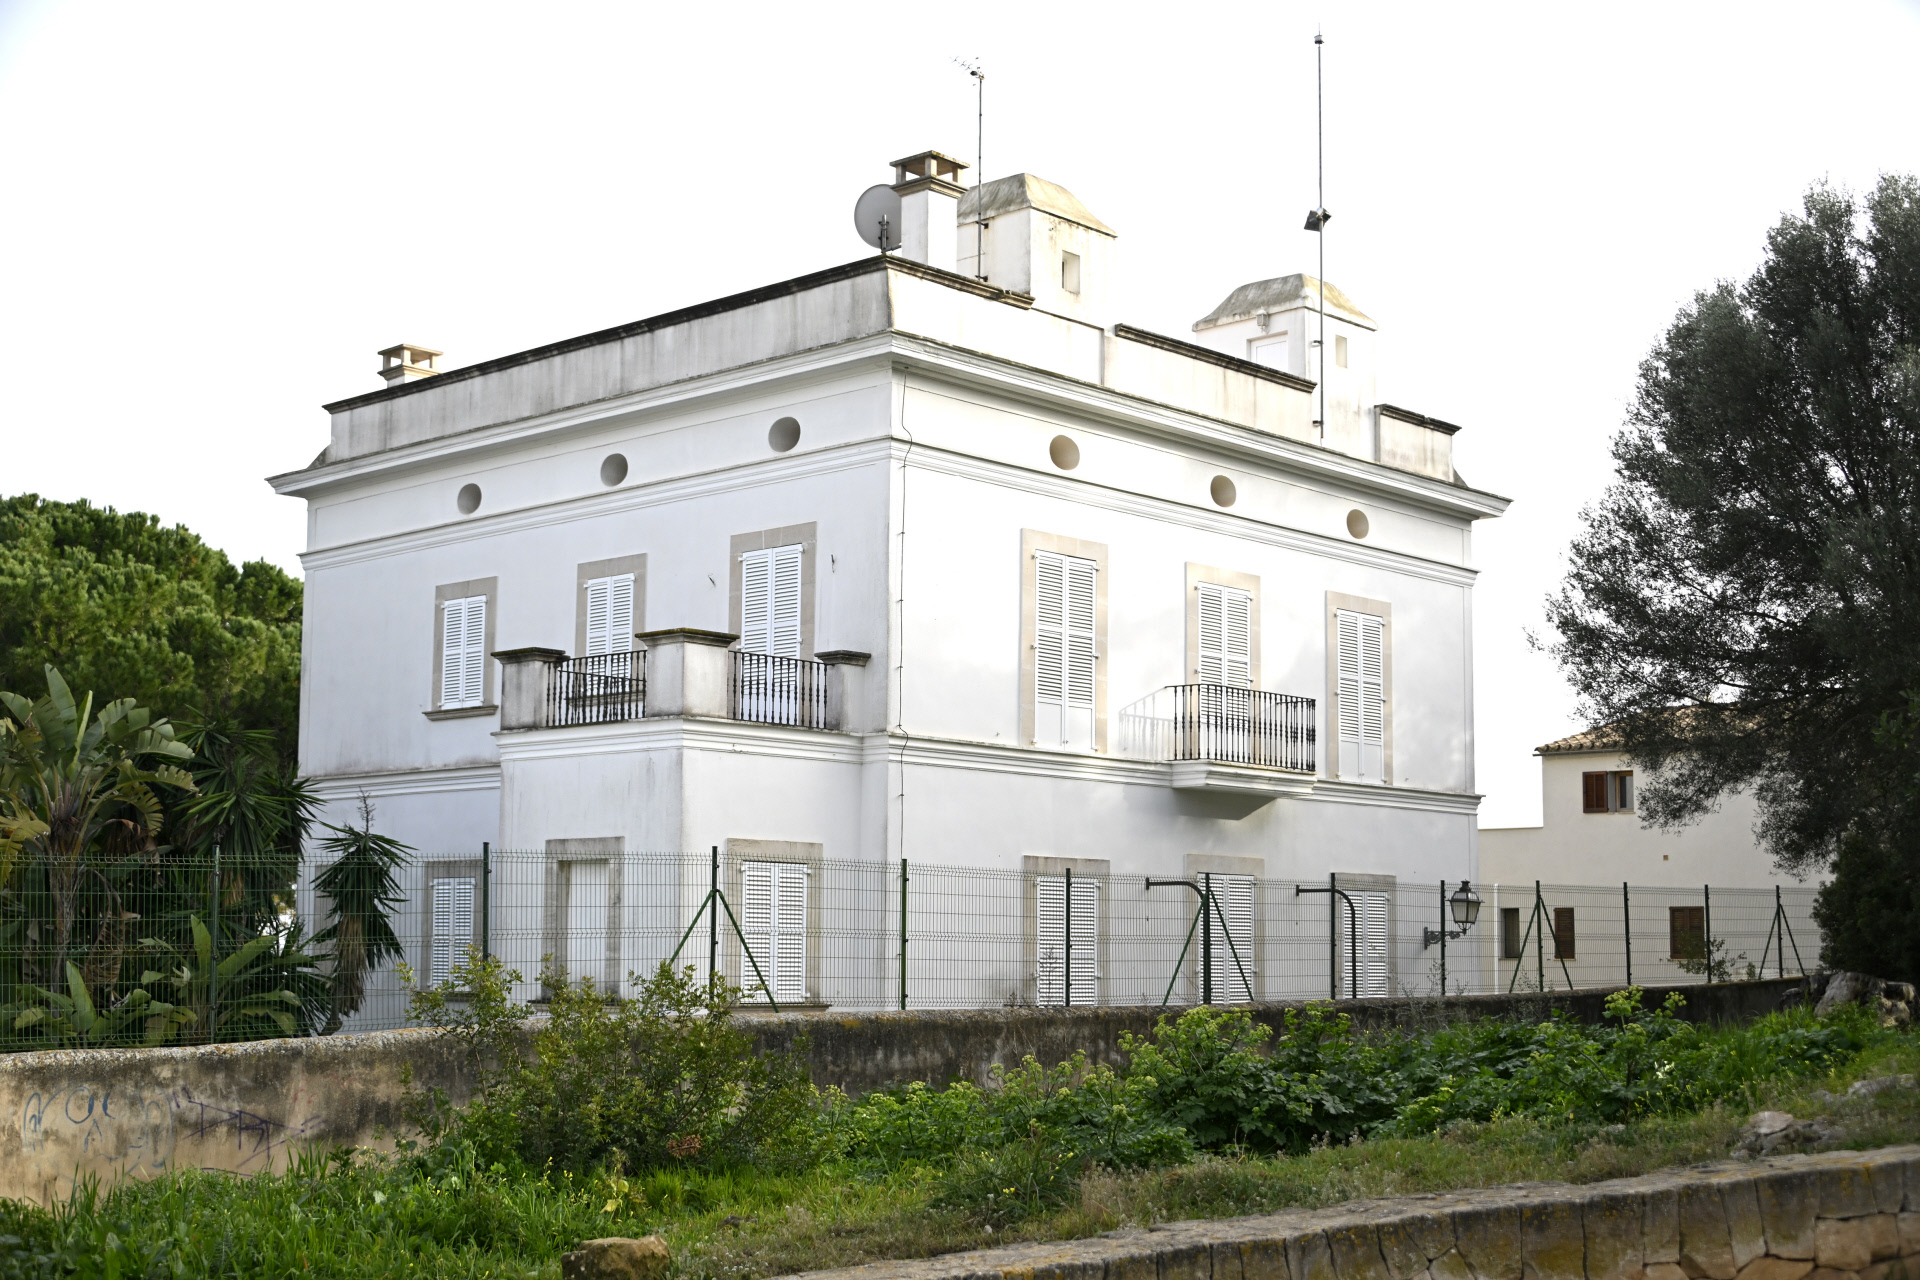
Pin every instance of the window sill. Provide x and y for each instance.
(461, 713)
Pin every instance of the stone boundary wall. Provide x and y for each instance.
(1837, 1216)
(243, 1108)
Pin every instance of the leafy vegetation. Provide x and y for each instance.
(919, 1171)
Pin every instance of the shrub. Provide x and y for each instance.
(663, 1078)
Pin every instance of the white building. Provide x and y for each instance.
(922, 565)
(1597, 861)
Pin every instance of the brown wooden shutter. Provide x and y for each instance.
(1509, 933)
(1563, 933)
(1593, 792)
(1686, 932)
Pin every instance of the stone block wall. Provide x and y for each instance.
(1835, 1216)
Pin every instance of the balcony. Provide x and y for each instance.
(1223, 737)
(679, 673)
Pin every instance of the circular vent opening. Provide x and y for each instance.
(613, 469)
(1357, 523)
(469, 499)
(783, 435)
(1223, 491)
(1064, 452)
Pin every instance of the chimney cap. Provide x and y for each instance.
(928, 171)
(406, 362)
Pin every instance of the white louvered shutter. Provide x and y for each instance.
(452, 926)
(1065, 601)
(463, 635)
(610, 614)
(587, 885)
(770, 601)
(1233, 896)
(1361, 668)
(1374, 972)
(773, 918)
(1226, 636)
(1050, 936)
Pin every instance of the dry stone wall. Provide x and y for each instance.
(1833, 1216)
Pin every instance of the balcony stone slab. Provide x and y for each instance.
(1241, 779)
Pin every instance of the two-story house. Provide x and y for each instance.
(929, 556)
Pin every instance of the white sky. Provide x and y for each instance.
(215, 214)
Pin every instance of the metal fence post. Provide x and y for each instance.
(1706, 928)
(1067, 990)
(486, 901)
(1206, 938)
(1443, 938)
(1539, 937)
(1779, 921)
(1626, 927)
(903, 933)
(213, 949)
(1333, 935)
(713, 920)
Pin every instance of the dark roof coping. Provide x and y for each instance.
(1147, 337)
(718, 306)
(1418, 419)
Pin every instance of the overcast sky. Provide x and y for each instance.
(215, 214)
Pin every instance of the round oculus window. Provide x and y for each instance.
(613, 469)
(1224, 494)
(1064, 452)
(783, 435)
(469, 499)
(1357, 523)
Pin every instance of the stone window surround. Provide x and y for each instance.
(587, 571)
(808, 854)
(489, 696)
(1220, 864)
(1247, 582)
(1032, 541)
(449, 869)
(1336, 601)
(808, 536)
(608, 849)
(1032, 867)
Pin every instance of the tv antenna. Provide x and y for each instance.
(1318, 218)
(876, 216)
(972, 67)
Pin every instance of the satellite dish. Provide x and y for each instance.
(876, 216)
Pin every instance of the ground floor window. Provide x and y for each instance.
(1233, 896)
(1686, 933)
(1563, 933)
(451, 926)
(1509, 933)
(773, 918)
(1051, 955)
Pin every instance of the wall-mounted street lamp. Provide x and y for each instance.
(1464, 905)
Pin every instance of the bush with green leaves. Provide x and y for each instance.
(660, 1078)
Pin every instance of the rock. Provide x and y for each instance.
(1879, 1084)
(1775, 1132)
(1793, 997)
(1849, 988)
(1895, 1013)
(615, 1258)
(1901, 991)
(1763, 1123)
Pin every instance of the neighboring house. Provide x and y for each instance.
(906, 558)
(1592, 842)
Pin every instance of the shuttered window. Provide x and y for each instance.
(1063, 668)
(452, 926)
(610, 614)
(585, 886)
(1563, 933)
(1361, 667)
(1050, 955)
(770, 601)
(1226, 636)
(1510, 933)
(1686, 933)
(1374, 976)
(773, 919)
(1233, 896)
(1593, 792)
(463, 643)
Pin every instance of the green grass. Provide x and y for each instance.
(377, 1217)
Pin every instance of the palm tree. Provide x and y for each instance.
(360, 889)
(77, 791)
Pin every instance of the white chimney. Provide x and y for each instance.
(930, 191)
(407, 362)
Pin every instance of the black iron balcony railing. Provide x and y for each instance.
(766, 689)
(599, 689)
(1221, 722)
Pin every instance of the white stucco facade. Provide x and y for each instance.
(949, 432)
